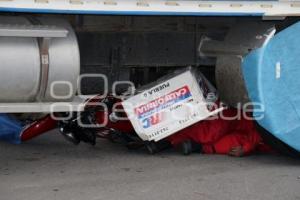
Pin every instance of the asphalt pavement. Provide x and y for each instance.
(51, 168)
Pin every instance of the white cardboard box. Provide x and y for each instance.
(171, 105)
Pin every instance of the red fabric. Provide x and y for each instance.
(220, 135)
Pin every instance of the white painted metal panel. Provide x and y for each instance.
(155, 7)
(76, 105)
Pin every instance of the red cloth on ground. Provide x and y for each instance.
(219, 135)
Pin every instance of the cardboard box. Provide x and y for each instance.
(172, 104)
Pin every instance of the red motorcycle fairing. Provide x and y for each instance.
(38, 127)
(114, 117)
(101, 116)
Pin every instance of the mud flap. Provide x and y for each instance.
(272, 77)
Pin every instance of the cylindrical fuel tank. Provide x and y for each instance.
(20, 64)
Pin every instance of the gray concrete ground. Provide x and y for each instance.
(50, 168)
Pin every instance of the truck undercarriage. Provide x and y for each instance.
(57, 55)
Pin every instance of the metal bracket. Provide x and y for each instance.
(44, 53)
(214, 48)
